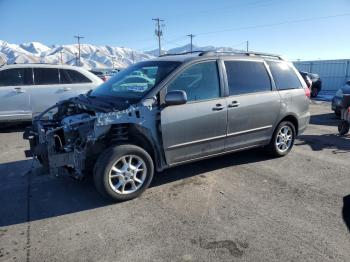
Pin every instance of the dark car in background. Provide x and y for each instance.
(306, 79)
(313, 81)
(337, 99)
(316, 84)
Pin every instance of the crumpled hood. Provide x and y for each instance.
(99, 104)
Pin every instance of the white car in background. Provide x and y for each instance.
(28, 89)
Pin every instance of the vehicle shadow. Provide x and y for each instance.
(33, 195)
(346, 211)
(328, 119)
(13, 127)
(208, 165)
(338, 144)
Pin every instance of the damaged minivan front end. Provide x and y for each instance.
(70, 135)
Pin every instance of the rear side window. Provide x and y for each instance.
(46, 76)
(16, 77)
(284, 76)
(247, 77)
(69, 76)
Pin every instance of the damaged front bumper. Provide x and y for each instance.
(47, 146)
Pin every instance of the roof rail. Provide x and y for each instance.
(184, 53)
(208, 53)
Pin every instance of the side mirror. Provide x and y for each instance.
(176, 97)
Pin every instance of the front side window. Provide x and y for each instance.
(284, 76)
(69, 76)
(200, 82)
(14, 77)
(135, 81)
(246, 77)
(46, 76)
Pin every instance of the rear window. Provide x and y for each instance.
(247, 77)
(46, 76)
(69, 76)
(284, 76)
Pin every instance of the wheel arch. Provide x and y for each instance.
(291, 118)
(142, 137)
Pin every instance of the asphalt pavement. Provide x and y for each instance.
(244, 206)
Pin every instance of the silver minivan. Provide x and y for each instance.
(179, 109)
(28, 89)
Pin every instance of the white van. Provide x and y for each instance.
(28, 89)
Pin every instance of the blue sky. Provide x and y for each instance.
(299, 32)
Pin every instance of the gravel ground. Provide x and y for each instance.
(240, 207)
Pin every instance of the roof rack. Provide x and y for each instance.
(215, 52)
(184, 53)
(268, 55)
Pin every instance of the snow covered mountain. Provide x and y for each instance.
(187, 48)
(92, 56)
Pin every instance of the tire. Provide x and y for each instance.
(343, 127)
(279, 150)
(314, 91)
(337, 113)
(118, 179)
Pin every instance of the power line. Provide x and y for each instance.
(158, 33)
(79, 37)
(275, 24)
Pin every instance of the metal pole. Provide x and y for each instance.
(159, 33)
(61, 58)
(191, 37)
(79, 37)
(247, 46)
(133, 57)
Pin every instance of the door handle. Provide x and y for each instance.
(66, 88)
(19, 90)
(234, 104)
(218, 107)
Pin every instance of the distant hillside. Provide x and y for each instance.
(187, 48)
(92, 56)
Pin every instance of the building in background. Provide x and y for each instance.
(333, 73)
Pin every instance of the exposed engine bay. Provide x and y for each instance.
(72, 134)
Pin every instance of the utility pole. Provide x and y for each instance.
(133, 57)
(76, 58)
(247, 42)
(113, 58)
(191, 37)
(79, 37)
(61, 57)
(158, 33)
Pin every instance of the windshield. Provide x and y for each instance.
(136, 80)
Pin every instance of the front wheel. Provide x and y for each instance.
(283, 139)
(123, 172)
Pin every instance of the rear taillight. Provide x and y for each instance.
(104, 78)
(307, 92)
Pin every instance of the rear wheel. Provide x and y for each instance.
(283, 139)
(343, 127)
(123, 172)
